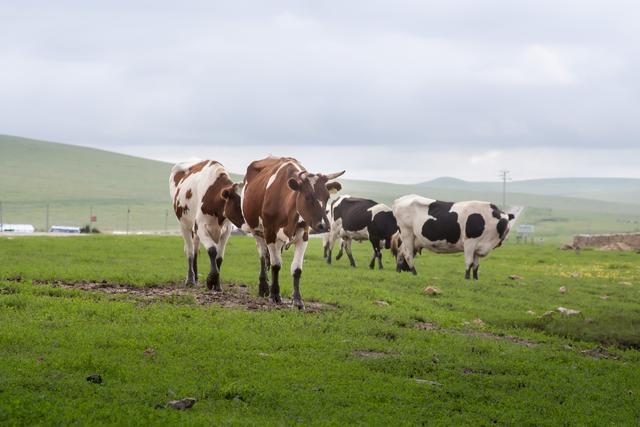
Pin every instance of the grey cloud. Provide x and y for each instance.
(428, 75)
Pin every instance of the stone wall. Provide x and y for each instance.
(627, 241)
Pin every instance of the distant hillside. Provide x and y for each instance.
(75, 181)
(623, 190)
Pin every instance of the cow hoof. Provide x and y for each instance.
(371, 266)
(413, 271)
(189, 284)
(276, 299)
(298, 304)
(213, 282)
(263, 288)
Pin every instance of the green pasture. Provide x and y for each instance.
(380, 351)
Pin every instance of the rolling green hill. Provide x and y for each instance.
(623, 190)
(74, 181)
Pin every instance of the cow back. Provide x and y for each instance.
(354, 213)
(266, 194)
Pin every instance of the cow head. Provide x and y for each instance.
(312, 193)
(233, 203)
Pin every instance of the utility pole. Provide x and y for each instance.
(504, 174)
(46, 228)
(128, 212)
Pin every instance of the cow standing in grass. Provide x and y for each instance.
(206, 203)
(353, 218)
(281, 201)
(475, 228)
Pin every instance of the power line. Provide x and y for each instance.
(504, 174)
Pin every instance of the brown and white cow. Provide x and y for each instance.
(206, 203)
(281, 201)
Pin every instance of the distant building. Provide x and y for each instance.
(17, 228)
(64, 229)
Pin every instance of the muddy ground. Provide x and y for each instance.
(233, 295)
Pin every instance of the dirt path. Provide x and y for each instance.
(233, 295)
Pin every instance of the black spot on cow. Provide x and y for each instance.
(475, 226)
(354, 214)
(495, 211)
(445, 225)
(502, 227)
(383, 226)
(511, 216)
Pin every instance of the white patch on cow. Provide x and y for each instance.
(358, 236)
(281, 236)
(313, 179)
(300, 248)
(275, 252)
(273, 177)
(376, 209)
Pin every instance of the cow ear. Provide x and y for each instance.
(511, 216)
(294, 184)
(226, 192)
(334, 187)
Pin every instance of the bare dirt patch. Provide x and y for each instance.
(600, 353)
(428, 326)
(367, 354)
(509, 338)
(233, 295)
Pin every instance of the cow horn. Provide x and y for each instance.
(334, 175)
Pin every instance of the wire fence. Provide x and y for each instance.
(119, 218)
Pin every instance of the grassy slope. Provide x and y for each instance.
(623, 190)
(287, 367)
(72, 179)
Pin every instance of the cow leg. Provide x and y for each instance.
(325, 244)
(469, 254)
(372, 263)
(331, 241)
(296, 268)
(214, 251)
(189, 253)
(275, 255)
(380, 259)
(196, 249)
(339, 254)
(263, 251)
(347, 247)
(407, 250)
(476, 266)
(222, 244)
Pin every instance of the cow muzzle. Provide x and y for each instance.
(321, 227)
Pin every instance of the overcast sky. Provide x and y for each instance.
(403, 91)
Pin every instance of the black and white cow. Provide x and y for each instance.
(475, 228)
(353, 218)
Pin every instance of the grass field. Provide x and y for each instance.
(372, 348)
(125, 191)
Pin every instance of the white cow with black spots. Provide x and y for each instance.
(472, 227)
